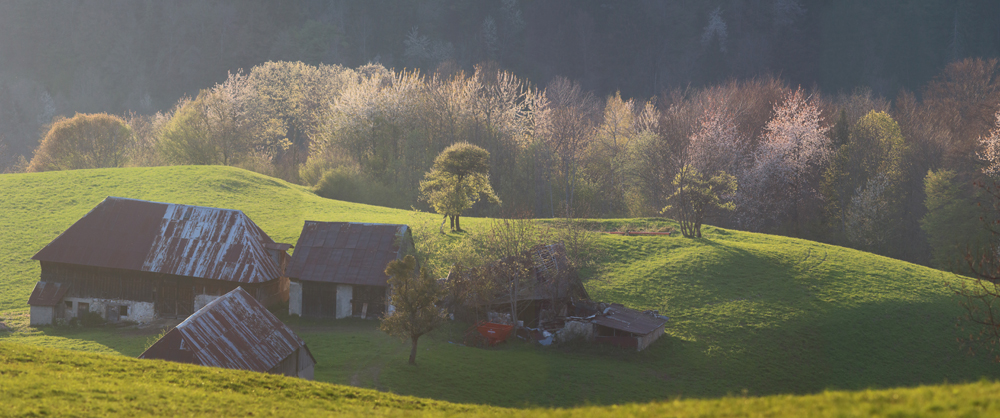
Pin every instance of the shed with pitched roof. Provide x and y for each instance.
(338, 268)
(236, 331)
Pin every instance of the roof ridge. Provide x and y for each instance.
(171, 204)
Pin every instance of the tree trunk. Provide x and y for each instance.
(458, 224)
(413, 350)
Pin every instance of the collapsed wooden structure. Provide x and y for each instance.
(550, 299)
(540, 280)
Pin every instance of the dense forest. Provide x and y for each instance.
(861, 123)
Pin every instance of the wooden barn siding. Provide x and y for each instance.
(170, 293)
(374, 296)
(319, 299)
(105, 283)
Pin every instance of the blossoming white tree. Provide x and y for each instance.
(989, 149)
(793, 145)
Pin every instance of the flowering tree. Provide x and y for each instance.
(989, 149)
(716, 144)
(794, 145)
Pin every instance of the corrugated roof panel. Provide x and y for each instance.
(351, 253)
(629, 320)
(235, 332)
(164, 238)
(47, 293)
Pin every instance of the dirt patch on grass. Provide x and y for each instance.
(361, 377)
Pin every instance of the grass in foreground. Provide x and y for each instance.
(42, 381)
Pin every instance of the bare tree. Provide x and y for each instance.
(980, 294)
(570, 128)
(510, 276)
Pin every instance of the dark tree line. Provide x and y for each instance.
(88, 56)
(853, 169)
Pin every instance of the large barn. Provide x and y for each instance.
(338, 268)
(236, 332)
(135, 260)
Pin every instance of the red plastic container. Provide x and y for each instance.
(494, 333)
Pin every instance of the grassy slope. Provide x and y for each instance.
(780, 315)
(41, 381)
(749, 312)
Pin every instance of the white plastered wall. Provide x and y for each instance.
(41, 315)
(295, 298)
(137, 311)
(345, 293)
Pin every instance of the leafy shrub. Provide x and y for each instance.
(345, 183)
(341, 183)
(83, 141)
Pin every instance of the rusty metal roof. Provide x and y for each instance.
(278, 246)
(185, 240)
(47, 293)
(345, 252)
(233, 332)
(629, 320)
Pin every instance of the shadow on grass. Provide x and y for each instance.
(108, 339)
(873, 345)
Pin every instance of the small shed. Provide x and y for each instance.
(138, 260)
(338, 268)
(44, 301)
(627, 328)
(236, 331)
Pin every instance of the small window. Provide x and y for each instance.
(69, 304)
(123, 310)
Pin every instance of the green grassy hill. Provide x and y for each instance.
(750, 313)
(47, 382)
